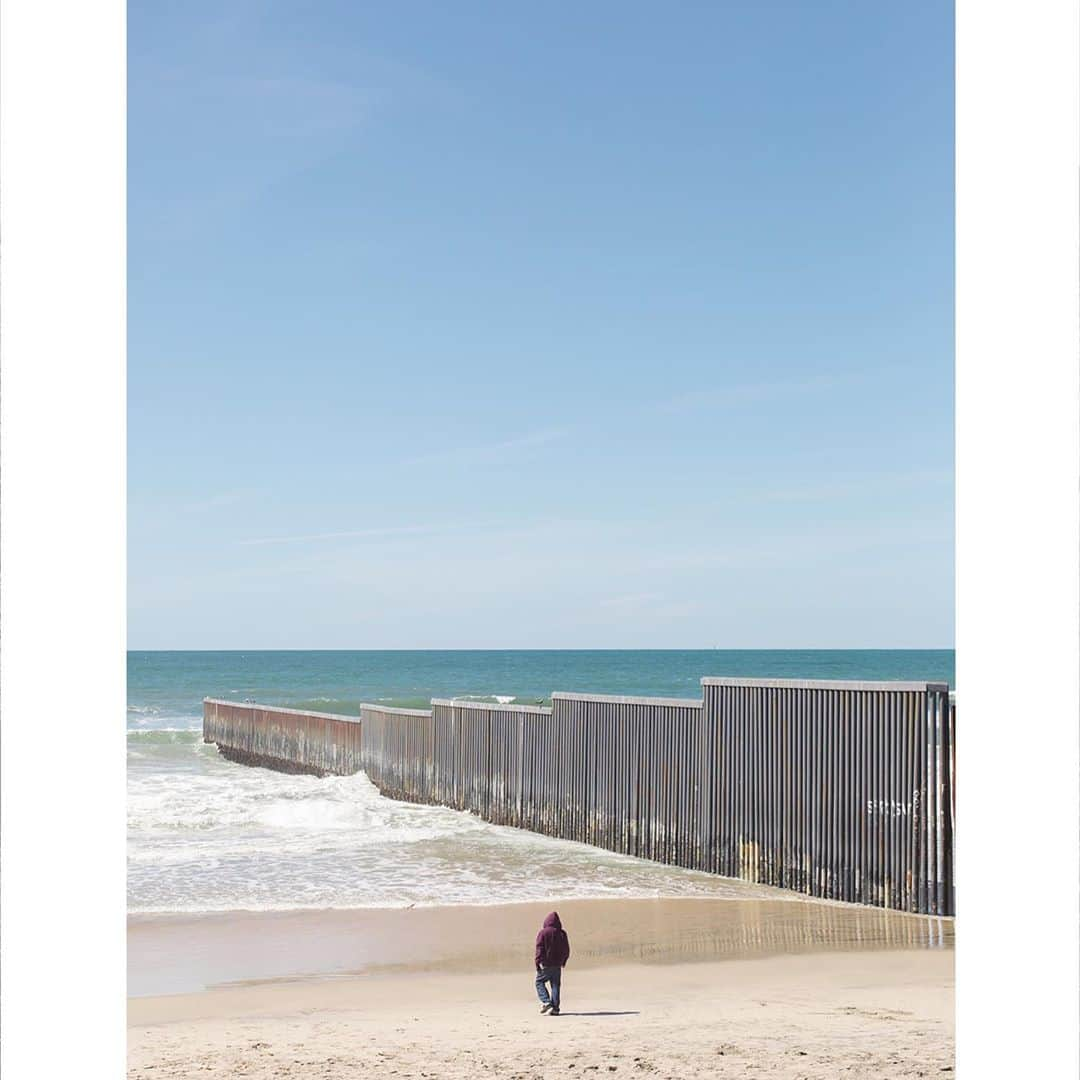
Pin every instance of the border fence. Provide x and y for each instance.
(289, 740)
(838, 790)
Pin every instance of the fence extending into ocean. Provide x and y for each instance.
(838, 790)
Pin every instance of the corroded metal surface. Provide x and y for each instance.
(319, 743)
(844, 791)
(397, 751)
(837, 791)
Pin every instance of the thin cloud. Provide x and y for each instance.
(747, 393)
(488, 452)
(491, 529)
(190, 503)
(351, 534)
(854, 488)
(215, 502)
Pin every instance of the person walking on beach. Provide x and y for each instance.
(552, 952)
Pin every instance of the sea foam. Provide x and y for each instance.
(205, 834)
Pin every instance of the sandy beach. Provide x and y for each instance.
(665, 988)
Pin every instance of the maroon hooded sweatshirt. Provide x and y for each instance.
(552, 944)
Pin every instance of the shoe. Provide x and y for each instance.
(545, 1008)
(554, 1012)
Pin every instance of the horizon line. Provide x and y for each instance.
(651, 648)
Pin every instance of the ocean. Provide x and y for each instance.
(207, 835)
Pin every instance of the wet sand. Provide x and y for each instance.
(784, 988)
(181, 953)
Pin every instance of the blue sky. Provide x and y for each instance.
(502, 325)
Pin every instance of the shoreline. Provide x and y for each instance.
(170, 954)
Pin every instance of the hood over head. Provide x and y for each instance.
(552, 920)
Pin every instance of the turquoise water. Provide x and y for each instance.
(173, 684)
(205, 834)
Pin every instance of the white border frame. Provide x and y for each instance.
(1018, 540)
(62, 275)
(62, 103)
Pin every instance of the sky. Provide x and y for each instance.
(487, 325)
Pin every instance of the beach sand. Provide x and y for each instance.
(664, 988)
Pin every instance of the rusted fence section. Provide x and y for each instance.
(289, 740)
(839, 790)
(396, 750)
(630, 775)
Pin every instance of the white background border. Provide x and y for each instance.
(1018, 542)
(62, 275)
(62, 263)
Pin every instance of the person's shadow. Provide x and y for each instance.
(563, 1012)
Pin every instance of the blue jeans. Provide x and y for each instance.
(551, 975)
